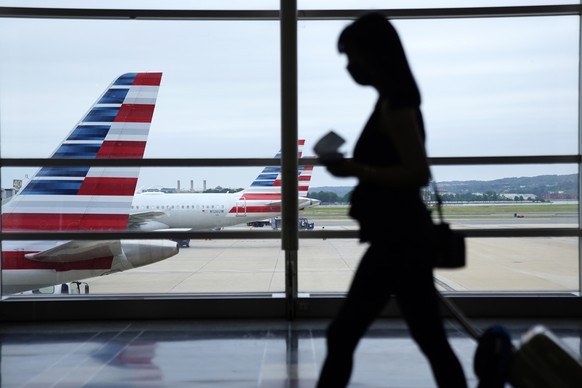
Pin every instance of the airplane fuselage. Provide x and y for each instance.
(21, 273)
(201, 211)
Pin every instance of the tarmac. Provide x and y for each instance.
(537, 264)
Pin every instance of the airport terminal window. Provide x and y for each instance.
(481, 95)
(218, 95)
(221, 99)
(529, 199)
(202, 265)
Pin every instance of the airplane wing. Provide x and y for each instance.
(142, 217)
(78, 250)
(302, 201)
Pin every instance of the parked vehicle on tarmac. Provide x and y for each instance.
(259, 224)
(303, 223)
(182, 242)
(70, 288)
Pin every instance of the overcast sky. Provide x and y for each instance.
(502, 86)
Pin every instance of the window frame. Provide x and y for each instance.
(293, 305)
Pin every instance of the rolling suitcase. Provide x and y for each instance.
(492, 360)
(539, 361)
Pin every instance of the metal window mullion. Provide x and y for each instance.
(149, 162)
(312, 234)
(1, 241)
(260, 162)
(331, 14)
(289, 164)
(580, 156)
(497, 160)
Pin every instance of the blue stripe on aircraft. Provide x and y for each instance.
(114, 96)
(90, 132)
(272, 169)
(101, 114)
(73, 151)
(52, 188)
(263, 183)
(126, 79)
(63, 171)
(267, 176)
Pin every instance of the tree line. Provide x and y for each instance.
(489, 196)
(328, 197)
(219, 189)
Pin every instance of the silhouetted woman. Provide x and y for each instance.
(390, 163)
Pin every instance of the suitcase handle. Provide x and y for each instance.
(460, 317)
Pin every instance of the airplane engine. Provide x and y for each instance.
(138, 253)
(148, 226)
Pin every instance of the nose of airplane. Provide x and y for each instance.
(314, 202)
(143, 252)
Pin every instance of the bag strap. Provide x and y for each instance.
(439, 202)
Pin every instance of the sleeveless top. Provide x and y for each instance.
(383, 211)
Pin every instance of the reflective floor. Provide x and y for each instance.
(226, 353)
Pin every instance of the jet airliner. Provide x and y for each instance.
(85, 198)
(205, 211)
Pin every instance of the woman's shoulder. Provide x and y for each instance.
(398, 115)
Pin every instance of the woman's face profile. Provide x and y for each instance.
(358, 67)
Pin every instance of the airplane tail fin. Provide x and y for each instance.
(305, 173)
(267, 185)
(91, 198)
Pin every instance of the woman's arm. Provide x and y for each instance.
(401, 126)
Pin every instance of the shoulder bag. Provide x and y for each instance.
(449, 244)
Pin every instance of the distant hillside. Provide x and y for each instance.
(339, 190)
(539, 185)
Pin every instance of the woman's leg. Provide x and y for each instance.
(420, 308)
(367, 296)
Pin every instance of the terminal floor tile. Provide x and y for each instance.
(223, 353)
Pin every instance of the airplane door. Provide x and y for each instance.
(241, 207)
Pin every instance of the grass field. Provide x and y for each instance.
(497, 210)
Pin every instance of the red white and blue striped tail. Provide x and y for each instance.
(267, 186)
(305, 173)
(91, 198)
